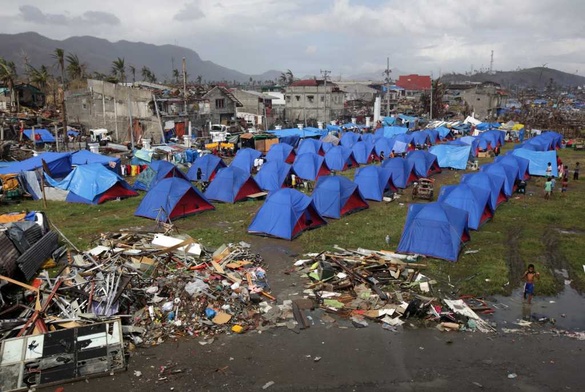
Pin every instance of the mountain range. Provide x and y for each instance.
(98, 54)
(537, 77)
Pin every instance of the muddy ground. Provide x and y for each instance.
(337, 356)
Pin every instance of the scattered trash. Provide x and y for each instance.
(137, 373)
(268, 385)
(512, 375)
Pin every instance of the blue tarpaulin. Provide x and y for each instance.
(83, 157)
(41, 135)
(59, 163)
(452, 156)
(390, 131)
(538, 161)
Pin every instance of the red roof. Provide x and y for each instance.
(414, 82)
(305, 83)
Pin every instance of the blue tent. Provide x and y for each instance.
(517, 161)
(507, 172)
(310, 145)
(309, 166)
(373, 182)
(433, 135)
(484, 126)
(334, 128)
(452, 156)
(421, 138)
(397, 146)
(493, 138)
(444, 133)
(286, 213)
(296, 132)
(245, 158)
(425, 164)
(172, 198)
(336, 196)
(490, 183)
(59, 163)
(83, 157)
(555, 138)
(406, 138)
(538, 161)
(435, 230)
(472, 199)
(382, 145)
(402, 171)
(41, 135)
(368, 137)
(156, 171)
(390, 131)
(340, 158)
(292, 140)
(362, 152)
(326, 146)
(474, 142)
(348, 139)
(209, 165)
(232, 184)
(281, 152)
(272, 175)
(93, 184)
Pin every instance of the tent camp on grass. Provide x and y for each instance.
(310, 166)
(273, 175)
(156, 171)
(172, 198)
(402, 172)
(490, 183)
(336, 196)
(285, 214)
(434, 230)
(472, 199)
(209, 165)
(93, 184)
(374, 182)
(232, 184)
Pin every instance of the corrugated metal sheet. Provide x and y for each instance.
(31, 260)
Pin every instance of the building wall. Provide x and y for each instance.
(483, 101)
(251, 102)
(320, 103)
(220, 115)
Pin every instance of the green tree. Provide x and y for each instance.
(133, 72)
(8, 76)
(176, 75)
(75, 68)
(119, 69)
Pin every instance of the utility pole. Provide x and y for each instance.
(185, 83)
(387, 79)
(131, 122)
(431, 106)
(492, 63)
(327, 116)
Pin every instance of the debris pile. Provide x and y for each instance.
(370, 286)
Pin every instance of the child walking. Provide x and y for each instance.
(529, 276)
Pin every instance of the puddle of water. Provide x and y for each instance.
(567, 309)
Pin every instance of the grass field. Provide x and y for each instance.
(548, 233)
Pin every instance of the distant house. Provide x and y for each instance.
(414, 84)
(222, 105)
(484, 99)
(256, 108)
(313, 99)
(29, 96)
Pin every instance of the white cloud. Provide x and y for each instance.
(417, 35)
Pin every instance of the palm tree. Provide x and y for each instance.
(199, 79)
(8, 76)
(59, 55)
(119, 69)
(286, 78)
(133, 71)
(75, 68)
(176, 75)
(39, 77)
(145, 71)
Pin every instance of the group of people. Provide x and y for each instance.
(563, 170)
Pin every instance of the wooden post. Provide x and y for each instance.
(43, 189)
(57, 137)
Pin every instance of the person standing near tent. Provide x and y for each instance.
(564, 185)
(548, 170)
(547, 188)
(381, 157)
(529, 276)
(576, 172)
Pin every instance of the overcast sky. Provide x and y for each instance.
(348, 37)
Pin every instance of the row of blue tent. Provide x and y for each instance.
(439, 229)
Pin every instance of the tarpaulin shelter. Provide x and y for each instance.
(402, 171)
(421, 138)
(309, 166)
(434, 230)
(245, 158)
(340, 158)
(232, 184)
(296, 132)
(452, 156)
(425, 164)
(555, 138)
(40, 135)
(336, 196)
(473, 141)
(310, 145)
(406, 138)
(58, 163)
(156, 171)
(348, 139)
(472, 199)
(209, 165)
(390, 131)
(373, 182)
(172, 198)
(484, 126)
(433, 135)
(362, 152)
(273, 175)
(93, 184)
(286, 213)
(281, 152)
(490, 183)
(521, 163)
(538, 161)
(507, 172)
(83, 157)
(493, 138)
(330, 138)
(444, 133)
(397, 146)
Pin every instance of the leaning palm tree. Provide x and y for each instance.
(8, 76)
(59, 55)
(119, 69)
(145, 72)
(39, 76)
(75, 69)
(133, 72)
